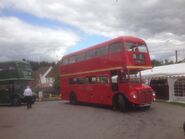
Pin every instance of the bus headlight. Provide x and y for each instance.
(154, 95)
(133, 94)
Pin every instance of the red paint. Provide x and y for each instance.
(122, 62)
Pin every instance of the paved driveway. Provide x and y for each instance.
(60, 120)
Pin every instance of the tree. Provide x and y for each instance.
(36, 65)
(156, 63)
(167, 62)
(56, 84)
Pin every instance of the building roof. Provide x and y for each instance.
(174, 70)
(36, 74)
(54, 71)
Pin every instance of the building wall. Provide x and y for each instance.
(45, 80)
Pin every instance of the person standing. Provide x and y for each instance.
(28, 97)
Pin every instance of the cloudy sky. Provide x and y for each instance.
(46, 30)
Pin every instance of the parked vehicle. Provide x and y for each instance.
(108, 73)
(14, 77)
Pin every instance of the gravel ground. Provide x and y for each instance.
(60, 120)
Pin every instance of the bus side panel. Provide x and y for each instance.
(115, 60)
(87, 93)
(64, 89)
(81, 92)
(102, 94)
(107, 97)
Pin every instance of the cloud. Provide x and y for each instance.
(152, 20)
(163, 46)
(110, 16)
(19, 40)
(94, 16)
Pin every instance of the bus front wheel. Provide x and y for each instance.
(73, 99)
(122, 103)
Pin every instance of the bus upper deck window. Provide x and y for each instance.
(142, 48)
(135, 47)
(65, 61)
(131, 46)
(91, 54)
(116, 47)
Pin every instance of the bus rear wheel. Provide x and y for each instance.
(73, 99)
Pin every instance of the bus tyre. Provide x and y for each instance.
(115, 103)
(16, 101)
(73, 99)
(122, 103)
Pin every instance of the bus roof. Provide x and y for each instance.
(121, 38)
(15, 70)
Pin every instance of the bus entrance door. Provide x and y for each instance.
(114, 80)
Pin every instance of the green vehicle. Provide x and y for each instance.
(14, 77)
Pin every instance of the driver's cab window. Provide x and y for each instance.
(114, 82)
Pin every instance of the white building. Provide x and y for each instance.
(168, 81)
(44, 79)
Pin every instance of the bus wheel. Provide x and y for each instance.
(16, 101)
(115, 103)
(122, 103)
(73, 99)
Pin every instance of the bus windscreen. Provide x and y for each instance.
(135, 47)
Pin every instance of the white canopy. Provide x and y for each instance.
(175, 70)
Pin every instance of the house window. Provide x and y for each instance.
(179, 88)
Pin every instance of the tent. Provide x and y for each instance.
(168, 80)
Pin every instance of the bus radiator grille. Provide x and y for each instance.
(146, 97)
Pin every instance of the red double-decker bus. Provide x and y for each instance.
(108, 73)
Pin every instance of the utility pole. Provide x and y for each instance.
(176, 56)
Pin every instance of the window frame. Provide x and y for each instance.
(179, 87)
